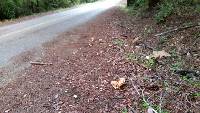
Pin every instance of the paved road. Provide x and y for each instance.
(20, 37)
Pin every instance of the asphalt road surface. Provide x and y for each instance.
(23, 36)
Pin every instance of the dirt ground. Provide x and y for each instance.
(85, 61)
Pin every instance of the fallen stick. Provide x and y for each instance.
(177, 29)
(40, 63)
(187, 72)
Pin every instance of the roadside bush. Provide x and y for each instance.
(15, 8)
(165, 8)
(141, 4)
(7, 9)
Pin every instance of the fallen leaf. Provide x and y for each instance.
(160, 54)
(119, 83)
(151, 110)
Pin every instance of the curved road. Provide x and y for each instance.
(20, 37)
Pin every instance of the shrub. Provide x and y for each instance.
(15, 8)
(166, 7)
(165, 10)
(7, 9)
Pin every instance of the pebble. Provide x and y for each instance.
(56, 96)
(147, 57)
(7, 111)
(75, 96)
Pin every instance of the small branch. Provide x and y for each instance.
(146, 46)
(160, 105)
(136, 89)
(177, 29)
(40, 63)
(186, 72)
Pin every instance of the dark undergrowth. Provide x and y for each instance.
(162, 9)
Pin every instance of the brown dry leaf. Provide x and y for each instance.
(160, 54)
(117, 84)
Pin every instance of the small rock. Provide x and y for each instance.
(90, 45)
(25, 95)
(58, 83)
(101, 89)
(56, 96)
(75, 96)
(147, 57)
(188, 54)
(7, 111)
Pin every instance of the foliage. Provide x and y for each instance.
(15, 8)
(196, 94)
(138, 7)
(131, 56)
(118, 42)
(7, 8)
(192, 81)
(150, 63)
(176, 66)
(125, 110)
(141, 3)
(164, 8)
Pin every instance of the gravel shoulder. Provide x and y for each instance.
(79, 79)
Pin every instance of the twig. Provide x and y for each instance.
(40, 63)
(143, 97)
(186, 72)
(146, 46)
(160, 105)
(136, 89)
(177, 29)
(118, 98)
(132, 110)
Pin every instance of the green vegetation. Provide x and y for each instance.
(150, 63)
(191, 81)
(15, 8)
(146, 105)
(131, 57)
(176, 66)
(165, 8)
(162, 40)
(119, 42)
(195, 94)
(125, 110)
